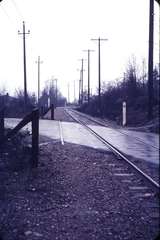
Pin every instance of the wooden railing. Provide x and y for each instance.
(33, 117)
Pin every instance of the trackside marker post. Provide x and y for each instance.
(124, 112)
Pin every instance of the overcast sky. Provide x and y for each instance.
(61, 29)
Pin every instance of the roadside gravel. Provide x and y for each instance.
(73, 195)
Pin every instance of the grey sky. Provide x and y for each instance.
(61, 29)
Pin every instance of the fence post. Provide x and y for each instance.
(1, 125)
(41, 111)
(52, 111)
(35, 137)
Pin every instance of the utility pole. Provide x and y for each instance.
(143, 73)
(68, 93)
(74, 91)
(82, 70)
(81, 82)
(24, 62)
(158, 1)
(99, 71)
(56, 92)
(80, 91)
(81, 77)
(150, 60)
(79, 87)
(89, 50)
(39, 62)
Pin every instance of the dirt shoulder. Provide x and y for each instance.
(72, 195)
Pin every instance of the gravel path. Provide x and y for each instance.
(73, 195)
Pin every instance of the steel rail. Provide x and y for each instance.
(116, 151)
(104, 125)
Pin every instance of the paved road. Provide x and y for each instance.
(71, 132)
(142, 149)
(75, 133)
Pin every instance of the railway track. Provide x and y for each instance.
(81, 120)
(108, 123)
(140, 186)
(124, 184)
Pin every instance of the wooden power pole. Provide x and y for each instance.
(24, 62)
(99, 71)
(150, 60)
(39, 88)
(89, 50)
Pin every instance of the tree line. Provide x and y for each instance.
(15, 106)
(133, 89)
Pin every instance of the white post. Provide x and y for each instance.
(49, 102)
(124, 119)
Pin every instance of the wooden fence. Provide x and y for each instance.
(33, 117)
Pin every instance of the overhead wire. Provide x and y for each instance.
(5, 12)
(17, 9)
(18, 17)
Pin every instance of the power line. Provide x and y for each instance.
(3, 9)
(17, 9)
(158, 1)
(8, 16)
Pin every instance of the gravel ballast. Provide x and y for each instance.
(74, 195)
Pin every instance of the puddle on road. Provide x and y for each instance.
(133, 148)
(75, 133)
